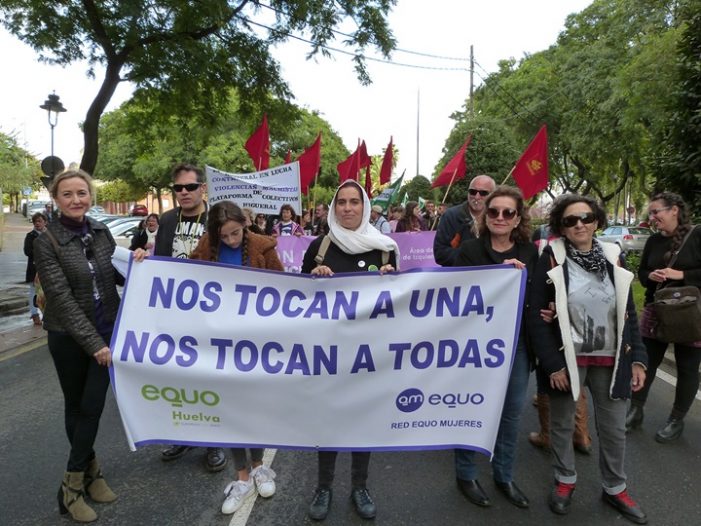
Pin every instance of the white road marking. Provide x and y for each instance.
(240, 518)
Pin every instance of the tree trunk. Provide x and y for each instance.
(92, 119)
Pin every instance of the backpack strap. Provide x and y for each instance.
(48, 233)
(319, 258)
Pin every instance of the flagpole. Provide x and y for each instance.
(509, 175)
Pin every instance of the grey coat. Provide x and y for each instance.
(68, 283)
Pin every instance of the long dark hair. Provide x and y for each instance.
(684, 221)
(220, 214)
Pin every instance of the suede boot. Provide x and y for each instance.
(581, 437)
(95, 484)
(71, 498)
(542, 438)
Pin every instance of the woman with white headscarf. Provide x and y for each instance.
(352, 245)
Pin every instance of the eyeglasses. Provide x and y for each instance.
(190, 187)
(655, 211)
(507, 213)
(474, 191)
(586, 218)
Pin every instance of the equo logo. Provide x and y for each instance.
(177, 397)
(410, 400)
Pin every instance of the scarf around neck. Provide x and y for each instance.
(592, 261)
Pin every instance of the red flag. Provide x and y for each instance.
(348, 169)
(364, 159)
(455, 169)
(309, 163)
(288, 157)
(258, 146)
(531, 170)
(386, 169)
(368, 181)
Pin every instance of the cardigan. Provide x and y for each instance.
(553, 341)
(68, 283)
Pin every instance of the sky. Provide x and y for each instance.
(497, 30)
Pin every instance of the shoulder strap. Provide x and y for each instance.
(48, 233)
(325, 242)
(686, 237)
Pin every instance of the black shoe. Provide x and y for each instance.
(319, 508)
(215, 459)
(634, 417)
(512, 493)
(173, 452)
(584, 449)
(363, 503)
(473, 492)
(672, 430)
(561, 498)
(626, 505)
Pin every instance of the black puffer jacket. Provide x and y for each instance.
(68, 283)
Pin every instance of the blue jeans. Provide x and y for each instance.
(505, 446)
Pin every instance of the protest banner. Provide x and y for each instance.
(416, 249)
(263, 192)
(413, 360)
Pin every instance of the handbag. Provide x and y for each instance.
(678, 310)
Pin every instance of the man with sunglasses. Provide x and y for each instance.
(178, 234)
(455, 225)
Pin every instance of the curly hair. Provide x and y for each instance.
(684, 221)
(220, 214)
(522, 232)
(557, 211)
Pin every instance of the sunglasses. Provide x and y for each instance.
(190, 187)
(474, 191)
(586, 218)
(507, 213)
(655, 211)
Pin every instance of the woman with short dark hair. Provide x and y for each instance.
(594, 342)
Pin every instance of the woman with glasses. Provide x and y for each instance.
(74, 261)
(504, 238)
(670, 214)
(594, 341)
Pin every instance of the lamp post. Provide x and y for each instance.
(53, 107)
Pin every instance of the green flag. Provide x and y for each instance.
(388, 195)
(422, 203)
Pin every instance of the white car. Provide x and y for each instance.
(124, 231)
(629, 238)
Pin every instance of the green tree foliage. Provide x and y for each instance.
(616, 94)
(19, 169)
(189, 54)
(140, 144)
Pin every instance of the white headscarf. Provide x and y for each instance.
(363, 239)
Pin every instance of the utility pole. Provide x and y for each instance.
(472, 76)
(418, 114)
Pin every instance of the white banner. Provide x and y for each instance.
(215, 355)
(263, 192)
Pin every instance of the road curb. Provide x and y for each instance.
(11, 352)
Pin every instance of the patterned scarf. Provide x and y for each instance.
(593, 261)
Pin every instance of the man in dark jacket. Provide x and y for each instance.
(178, 234)
(455, 225)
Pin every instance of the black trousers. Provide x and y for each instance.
(240, 459)
(84, 384)
(688, 359)
(360, 460)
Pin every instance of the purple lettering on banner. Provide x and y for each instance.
(415, 249)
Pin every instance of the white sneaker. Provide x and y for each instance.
(263, 476)
(236, 493)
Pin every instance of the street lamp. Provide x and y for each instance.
(53, 107)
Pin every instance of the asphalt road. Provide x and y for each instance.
(409, 488)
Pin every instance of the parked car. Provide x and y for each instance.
(138, 210)
(34, 207)
(123, 231)
(629, 238)
(96, 211)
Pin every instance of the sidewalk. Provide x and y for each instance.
(17, 332)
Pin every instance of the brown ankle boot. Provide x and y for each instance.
(581, 437)
(542, 438)
(95, 484)
(71, 498)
